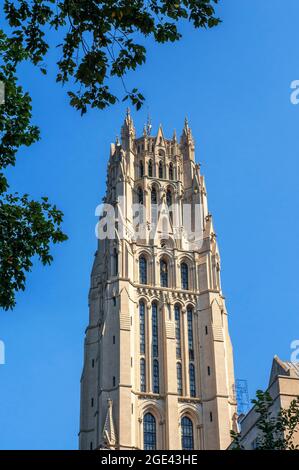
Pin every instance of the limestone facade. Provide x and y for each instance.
(158, 363)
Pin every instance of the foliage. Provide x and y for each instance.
(275, 431)
(101, 38)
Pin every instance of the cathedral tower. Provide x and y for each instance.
(158, 363)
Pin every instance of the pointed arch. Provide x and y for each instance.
(142, 269)
(187, 438)
(184, 276)
(149, 432)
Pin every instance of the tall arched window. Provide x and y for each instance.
(142, 375)
(150, 168)
(192, 380)
(163, 273)
(156, 376)
(168, 198)
(149, 432)
(187, 433)
(140, 195)
(190, 333)
(160, 169)
(171, 171)
(141, 169)
(142, 270)
(155, 330)
(177, 318)
(142, 326)
(154, 196)
(184, 276)
(179, 378)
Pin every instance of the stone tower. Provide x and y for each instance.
(158, 363)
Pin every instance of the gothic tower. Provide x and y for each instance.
(158, 363)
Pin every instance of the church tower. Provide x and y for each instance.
(158, 364)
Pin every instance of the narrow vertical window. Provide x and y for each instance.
(142, 270)
(190, 333)
(150, 168)
(160, 170)
(187, 434)
(168, 198)
(140, 196)
(142, 375)
(179, 378)
(141, 169)
(115, 262)
(154, 206)
(163, 273)
(149, 432)
(169, 203)
(171, 171)
(142, 327)
(140, 202)
(156, 376)
(177, 318)
(192, 380)
(184, 276)
(155, 330)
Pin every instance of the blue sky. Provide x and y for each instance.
(233, 83)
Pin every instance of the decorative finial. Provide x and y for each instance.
(186, 123)
(148, 125)
(128, 112)
(117, 141)
(174, 138)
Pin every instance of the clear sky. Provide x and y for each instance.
(233, 83)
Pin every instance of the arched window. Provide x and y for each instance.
(154, 206)
(190, 333)
(142, 326)
(142, 375)
(187, 433)
(160, 170)
(192, 380)
(184, 276)
(171, 171)
(154, 196)
(142, 270)
(177, 318)
(163, 273)
(140, 195)
(150, 168)
(149, 432)
(155, 329)
(179, 378)
(156, 376)
(168, 198)
(141, 169)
